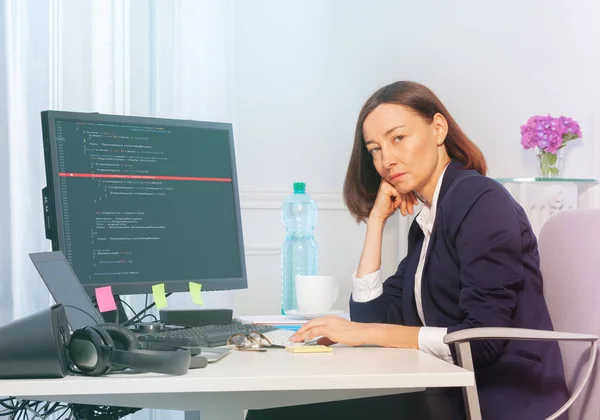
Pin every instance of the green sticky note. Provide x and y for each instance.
(158, 291)
(195, 292)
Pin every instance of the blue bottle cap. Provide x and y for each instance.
(299, 187)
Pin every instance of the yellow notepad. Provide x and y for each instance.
(309, 349)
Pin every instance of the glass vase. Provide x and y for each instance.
(550, 163)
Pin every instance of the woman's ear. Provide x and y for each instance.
(440, 126)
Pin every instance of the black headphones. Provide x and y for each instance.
(96, 350)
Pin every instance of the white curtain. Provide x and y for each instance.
(193, 75)
(163, 58)
(24, 81)
(194, 59)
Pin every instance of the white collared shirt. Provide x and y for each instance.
(370, 286)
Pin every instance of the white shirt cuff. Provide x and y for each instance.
(367, 287)
(431, 342)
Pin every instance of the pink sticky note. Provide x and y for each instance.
(105, 299)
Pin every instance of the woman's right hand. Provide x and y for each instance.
(389, 200)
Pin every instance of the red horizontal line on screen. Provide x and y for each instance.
(156, 177)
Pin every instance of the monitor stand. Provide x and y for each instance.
(184, 317)
(196, 317)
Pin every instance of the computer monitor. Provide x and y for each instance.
(133, 202)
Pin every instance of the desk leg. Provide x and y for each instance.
(214, 415)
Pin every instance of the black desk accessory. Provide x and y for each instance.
(35, 346)
(196, 317)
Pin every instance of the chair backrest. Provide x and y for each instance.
(569, 245)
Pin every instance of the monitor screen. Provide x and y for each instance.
(133, 202)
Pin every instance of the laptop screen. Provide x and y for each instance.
(66, 289)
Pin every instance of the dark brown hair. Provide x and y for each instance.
(362, 180)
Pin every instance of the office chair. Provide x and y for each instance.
(568, 245)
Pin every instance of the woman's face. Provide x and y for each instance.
(406, 149)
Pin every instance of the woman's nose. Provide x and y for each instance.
(388, 159)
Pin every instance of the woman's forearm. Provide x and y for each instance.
(370, 259)
(390, 335)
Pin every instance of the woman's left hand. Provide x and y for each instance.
(334, 328)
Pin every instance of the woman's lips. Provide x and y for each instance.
(397, 176)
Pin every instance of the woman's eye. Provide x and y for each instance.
(374, 150)
(398, 139)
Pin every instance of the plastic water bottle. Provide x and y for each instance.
(299, 253)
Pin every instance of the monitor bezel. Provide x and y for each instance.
(53, 206)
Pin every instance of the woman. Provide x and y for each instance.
(472, 259)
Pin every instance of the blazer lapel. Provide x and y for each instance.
(453, 175)
(409, 306)
(455, 168)
(424, 288)
(454, 171)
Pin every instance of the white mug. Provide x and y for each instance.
(316, 294)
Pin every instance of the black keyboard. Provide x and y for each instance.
(206, 336)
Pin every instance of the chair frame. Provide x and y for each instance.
(461, 339)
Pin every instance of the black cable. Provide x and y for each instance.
(25, 409)
(51, 409)
(21, 412)
(146, 302)
(128, 305)
(143, 312)
(8, 407)
(150, 316)
(22, 409)
(126, 322)
(67, 410)
(137, 316)
(95, 303)
(81, 310)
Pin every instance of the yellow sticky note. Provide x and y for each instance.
(195, 292)
(158, 291)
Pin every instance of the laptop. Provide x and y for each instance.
(65, 288)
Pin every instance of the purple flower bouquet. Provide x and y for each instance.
(549, 135)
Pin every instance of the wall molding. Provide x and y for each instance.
(272, 200)
(262, 250)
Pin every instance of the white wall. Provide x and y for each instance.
(293, 76)
(304, 69)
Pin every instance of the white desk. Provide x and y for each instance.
(245, 380)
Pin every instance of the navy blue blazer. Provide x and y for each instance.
(481, 270)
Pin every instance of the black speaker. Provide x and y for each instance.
(35, 346)
(97, 350)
